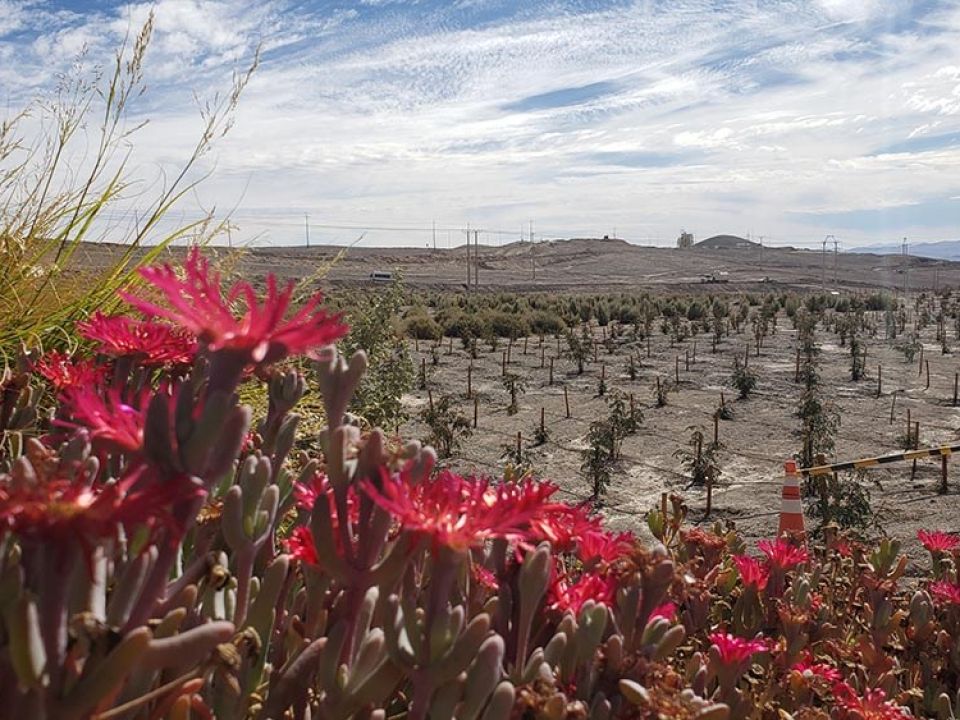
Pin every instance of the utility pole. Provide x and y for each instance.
(476, 258)
(531, 231)
(306, 226)
(467, 231)
(905, 252)
(434, 235)
(823, 264)
(836, 255)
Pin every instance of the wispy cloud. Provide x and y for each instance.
(584, 115)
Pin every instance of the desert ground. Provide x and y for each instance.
(763, 432)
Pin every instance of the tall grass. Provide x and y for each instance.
(58, 184)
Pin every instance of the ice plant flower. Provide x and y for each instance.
(459, 513)
(262, 334)
(753, 573)
(300, 545)
(945, 592)
(872, 706)
(667, 611)
(565, 596)
(606, 547)
(733, 650)
(564, 525)
(782, 554)
(109, 421)
(77, 510)
(938, 541)
(811, 670)
(149, 342)
(63, 371)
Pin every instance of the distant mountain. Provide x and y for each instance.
(942, 250)
(724, 242)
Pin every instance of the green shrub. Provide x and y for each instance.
(422, 327)
(543, 322)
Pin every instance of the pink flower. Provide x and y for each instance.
(485, 577)
(945, 592)
(781, 554)
(605, 546)
(938, 541)
(752, 572)
(262, 334)
(872, 706)
(149, 342)
(819, 670)
(667, 611)
(110, 421)
(461, 513)
(564, 525)
(735, 650)
(300, 545)
(62, 371)
(78, 510)
(565, 596)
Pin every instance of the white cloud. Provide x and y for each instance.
(697, 117)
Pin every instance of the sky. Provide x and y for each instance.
(379, 120)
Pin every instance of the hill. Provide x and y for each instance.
(725, 242)
(584, 265)
(941, 250)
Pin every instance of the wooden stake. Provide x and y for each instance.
(509, 350)
(893, 405)
(416, 344)
(686, 360)
(956, 387)
(542, 424)
(943, 475)
(928, 374)
(430, 398)
(476, 405)
(920, 366)
(716, 429)
(676, 368)
(550, 382)
(469, 381)
(543, 357)
(693, 356)
(916, 446)
(525, 345)
(519, 445)
(594, 350)
(566, 400)
(504, 364)
(796, 372)
(603, 371)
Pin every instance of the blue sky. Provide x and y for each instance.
(785, 119)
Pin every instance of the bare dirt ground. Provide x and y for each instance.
(763, 432)
(761, 435)
(589, 266)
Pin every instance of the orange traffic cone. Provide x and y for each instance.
(791, 510)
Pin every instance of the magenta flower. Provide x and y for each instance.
(734, 650)
(110, 421)
(149, 342)
(781, 554)
(565, 596)
(78, 510)
(458, 512)
(564, 525)
(667, 611)
(300, 546)
(607, 547)
(872, 706)
(261, 334)
(938, 541)
(63, 371)
(945, 592)
(753, 573)
(818, 670)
